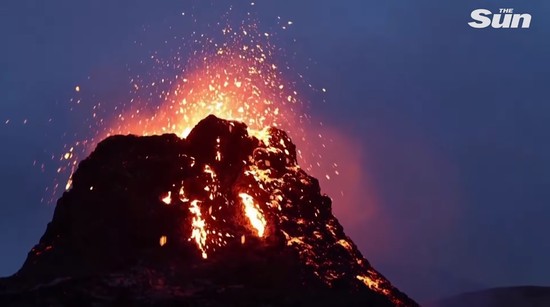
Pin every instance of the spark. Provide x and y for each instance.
(163, 240)
(167, 199)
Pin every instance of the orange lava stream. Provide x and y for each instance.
(253, 213)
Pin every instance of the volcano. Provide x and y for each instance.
(223, 217)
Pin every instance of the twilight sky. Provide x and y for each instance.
(452, 124)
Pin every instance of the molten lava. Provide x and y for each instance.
(199, 233)
(253, 213)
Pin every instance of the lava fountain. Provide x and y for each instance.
(236, 80)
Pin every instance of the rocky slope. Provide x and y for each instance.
(220, 218)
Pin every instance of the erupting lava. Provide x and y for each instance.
(236, 83)
(206, 186)
(236, 79)
(253, 213)
(199, 232)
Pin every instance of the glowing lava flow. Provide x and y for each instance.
(198, 233)
(253, 213)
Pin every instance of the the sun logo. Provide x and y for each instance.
(506, 19)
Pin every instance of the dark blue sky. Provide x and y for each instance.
(452, 123)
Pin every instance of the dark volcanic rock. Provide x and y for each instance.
(220, 218)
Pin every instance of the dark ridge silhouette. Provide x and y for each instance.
(523, 296)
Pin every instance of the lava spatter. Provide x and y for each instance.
(236, 76)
